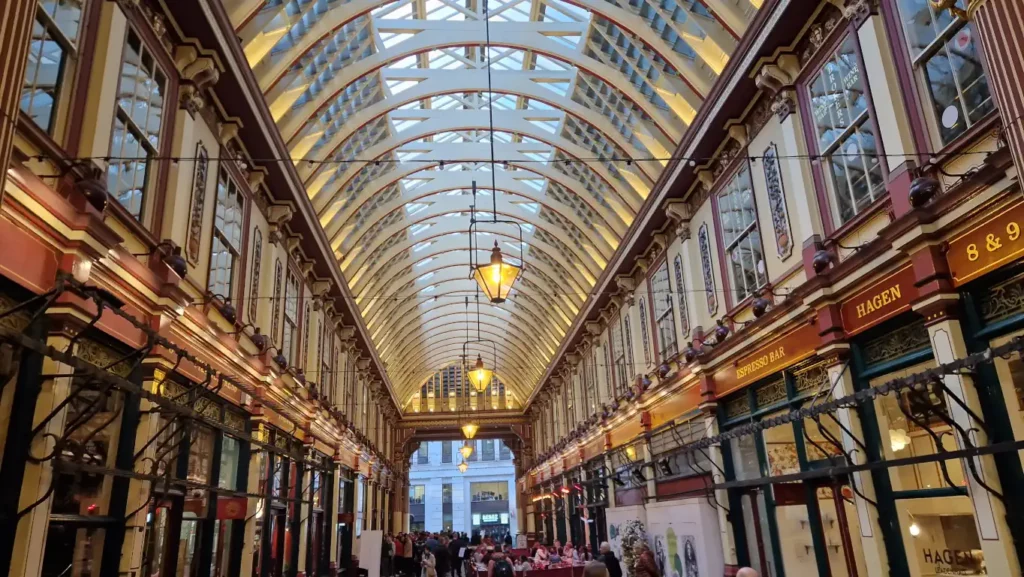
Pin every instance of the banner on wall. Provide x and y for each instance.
(685, 538)
(616, 518)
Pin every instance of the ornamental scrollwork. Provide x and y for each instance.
(710, 291)
(777, 202)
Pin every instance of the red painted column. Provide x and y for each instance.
(16, 17)
(1000, 23)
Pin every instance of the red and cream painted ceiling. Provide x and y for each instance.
(390, 102)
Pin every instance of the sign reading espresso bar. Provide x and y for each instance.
(778, 354)
(884, 299)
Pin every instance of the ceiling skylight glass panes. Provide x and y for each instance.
(387, 107)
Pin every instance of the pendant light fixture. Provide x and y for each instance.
(463, 467)
(469, 429)
(496, 278)
(466, 451)
(480, 377)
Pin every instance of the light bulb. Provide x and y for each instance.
(495, 274)
(915, 529)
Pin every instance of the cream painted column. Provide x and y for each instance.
(873, 545)
(880, 71)
(30, 539)
(103, 80)
(652, 485)
(333, 514)
(139, 491)
(304, 512)
(948, 345)
(710, 424)
(254, 511)
(16, 19)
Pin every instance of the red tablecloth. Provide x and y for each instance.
(574, 571)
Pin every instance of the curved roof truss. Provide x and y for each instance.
(391, 110)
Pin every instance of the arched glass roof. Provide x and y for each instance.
(386, 107)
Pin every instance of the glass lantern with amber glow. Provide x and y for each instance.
(466, 451)
(469, 430)
(480, 377)
(497, 277)
(463, 467)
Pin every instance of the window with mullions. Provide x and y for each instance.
(504, 453)
(644, 333)
(291, 318)
(50, 55)
(664, 312)
(618, 355)
(487, 450)
(737, 218)
(446, 451)
(417, 493)
(946, 58)
(227, 236)
(845, 133)
(138, 121)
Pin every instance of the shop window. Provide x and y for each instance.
(489, 491)
(908, 428)
(845, 133)
(138, 123)
(737, 220)
(417, 493)
(664, 313)
(946, 58)
(360, 504)
(227, 236)
(200, 455)
(289, 341)
(446, 493)
(51, 57)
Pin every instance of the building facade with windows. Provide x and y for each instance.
(482, 500)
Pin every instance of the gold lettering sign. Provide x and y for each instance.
(782, 352)
(995, 241)
(883, 299)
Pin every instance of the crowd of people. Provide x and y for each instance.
(452, 554)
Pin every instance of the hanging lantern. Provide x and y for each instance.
(496, 278)
(480, 377)
(463, 467)
(466, 451)
(469, 430)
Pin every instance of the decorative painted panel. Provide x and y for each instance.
(684, 317)
(278, 282)
(254, 282)
(710, 291)
(643, 332)
(777, 202)
(195, 224)
(305, 336)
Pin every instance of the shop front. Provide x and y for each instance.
(596, 498)
(276, 550)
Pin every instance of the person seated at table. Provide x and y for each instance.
(500, 566)
(595, 569)
(570, 554)
(541, 555)
(585, 554)
(524, 564)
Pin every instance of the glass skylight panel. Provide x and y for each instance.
(405, 63)
(389, 39)
(395, 11)
(425, 261)
(421, 245)
(415, 230)
(426, 277)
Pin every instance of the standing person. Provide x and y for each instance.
(454, 547)
(432, 543)
(646, 565)
(428, 563)
(407, 553)
(386, 551)
(399, 544)
(610, 560)
(443, 558)
(747, 572)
